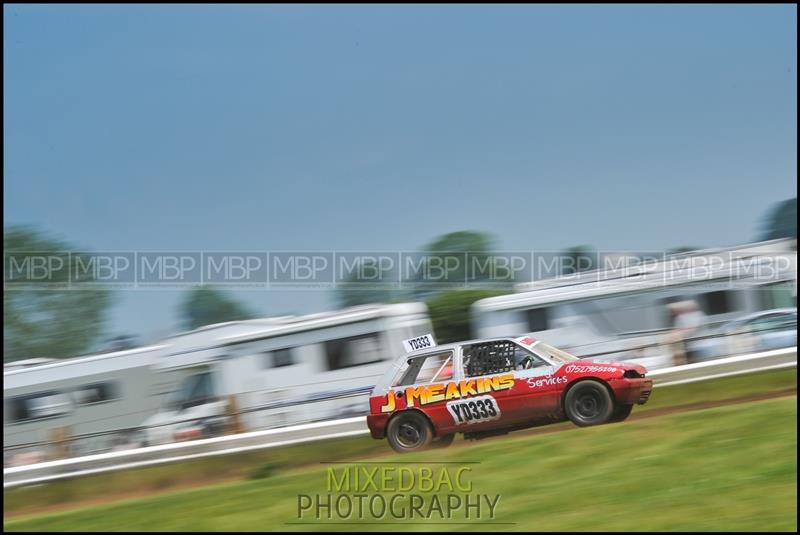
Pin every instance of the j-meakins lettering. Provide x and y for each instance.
(422, 395)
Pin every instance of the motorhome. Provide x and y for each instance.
(269, 372)
(288, 371)
(46, 400)
(625, 312)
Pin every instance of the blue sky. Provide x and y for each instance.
(381, 127)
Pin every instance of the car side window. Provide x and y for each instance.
(427, 369)
(526, 360)
(489, 358)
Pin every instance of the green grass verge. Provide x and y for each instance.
(258, 464)
(721, 389)
(726, 468)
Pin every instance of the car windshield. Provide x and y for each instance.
(554, 353)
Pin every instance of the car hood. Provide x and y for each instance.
(621, 366)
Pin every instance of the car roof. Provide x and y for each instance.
(453, 345)
(763, 313)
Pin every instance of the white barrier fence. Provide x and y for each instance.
(181, 451)
(736, 365)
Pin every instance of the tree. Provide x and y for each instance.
(579, 258)
(367, 284)
(205, 305)
(781, 221)
(48, 311)
(451, 313)
(458, 258)
(460, 241)
(443, 263)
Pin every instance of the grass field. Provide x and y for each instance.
(725, 468)
(201, 472)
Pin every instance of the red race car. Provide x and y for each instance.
(490, 387)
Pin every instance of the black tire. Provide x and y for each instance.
(409, 431)
(588, 403)
(443, 441)
(621, 412)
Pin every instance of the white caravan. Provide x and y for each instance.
(624, 313)
(280, 371)
(85, 396)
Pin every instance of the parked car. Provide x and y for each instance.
(761, 331)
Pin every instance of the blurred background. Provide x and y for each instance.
(617, 180)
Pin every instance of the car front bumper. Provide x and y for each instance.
(632, 390)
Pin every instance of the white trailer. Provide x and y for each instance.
(85, 396)
(277, 370)
(280, 372)
(623, 313)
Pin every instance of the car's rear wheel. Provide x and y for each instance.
(409, 431)
(621, 412)
(443, 441)
(588, 403)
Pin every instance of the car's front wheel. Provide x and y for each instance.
(409, 431)
(588, 403)
(621, 412)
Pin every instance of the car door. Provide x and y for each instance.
(538, 388)
(492, 367)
